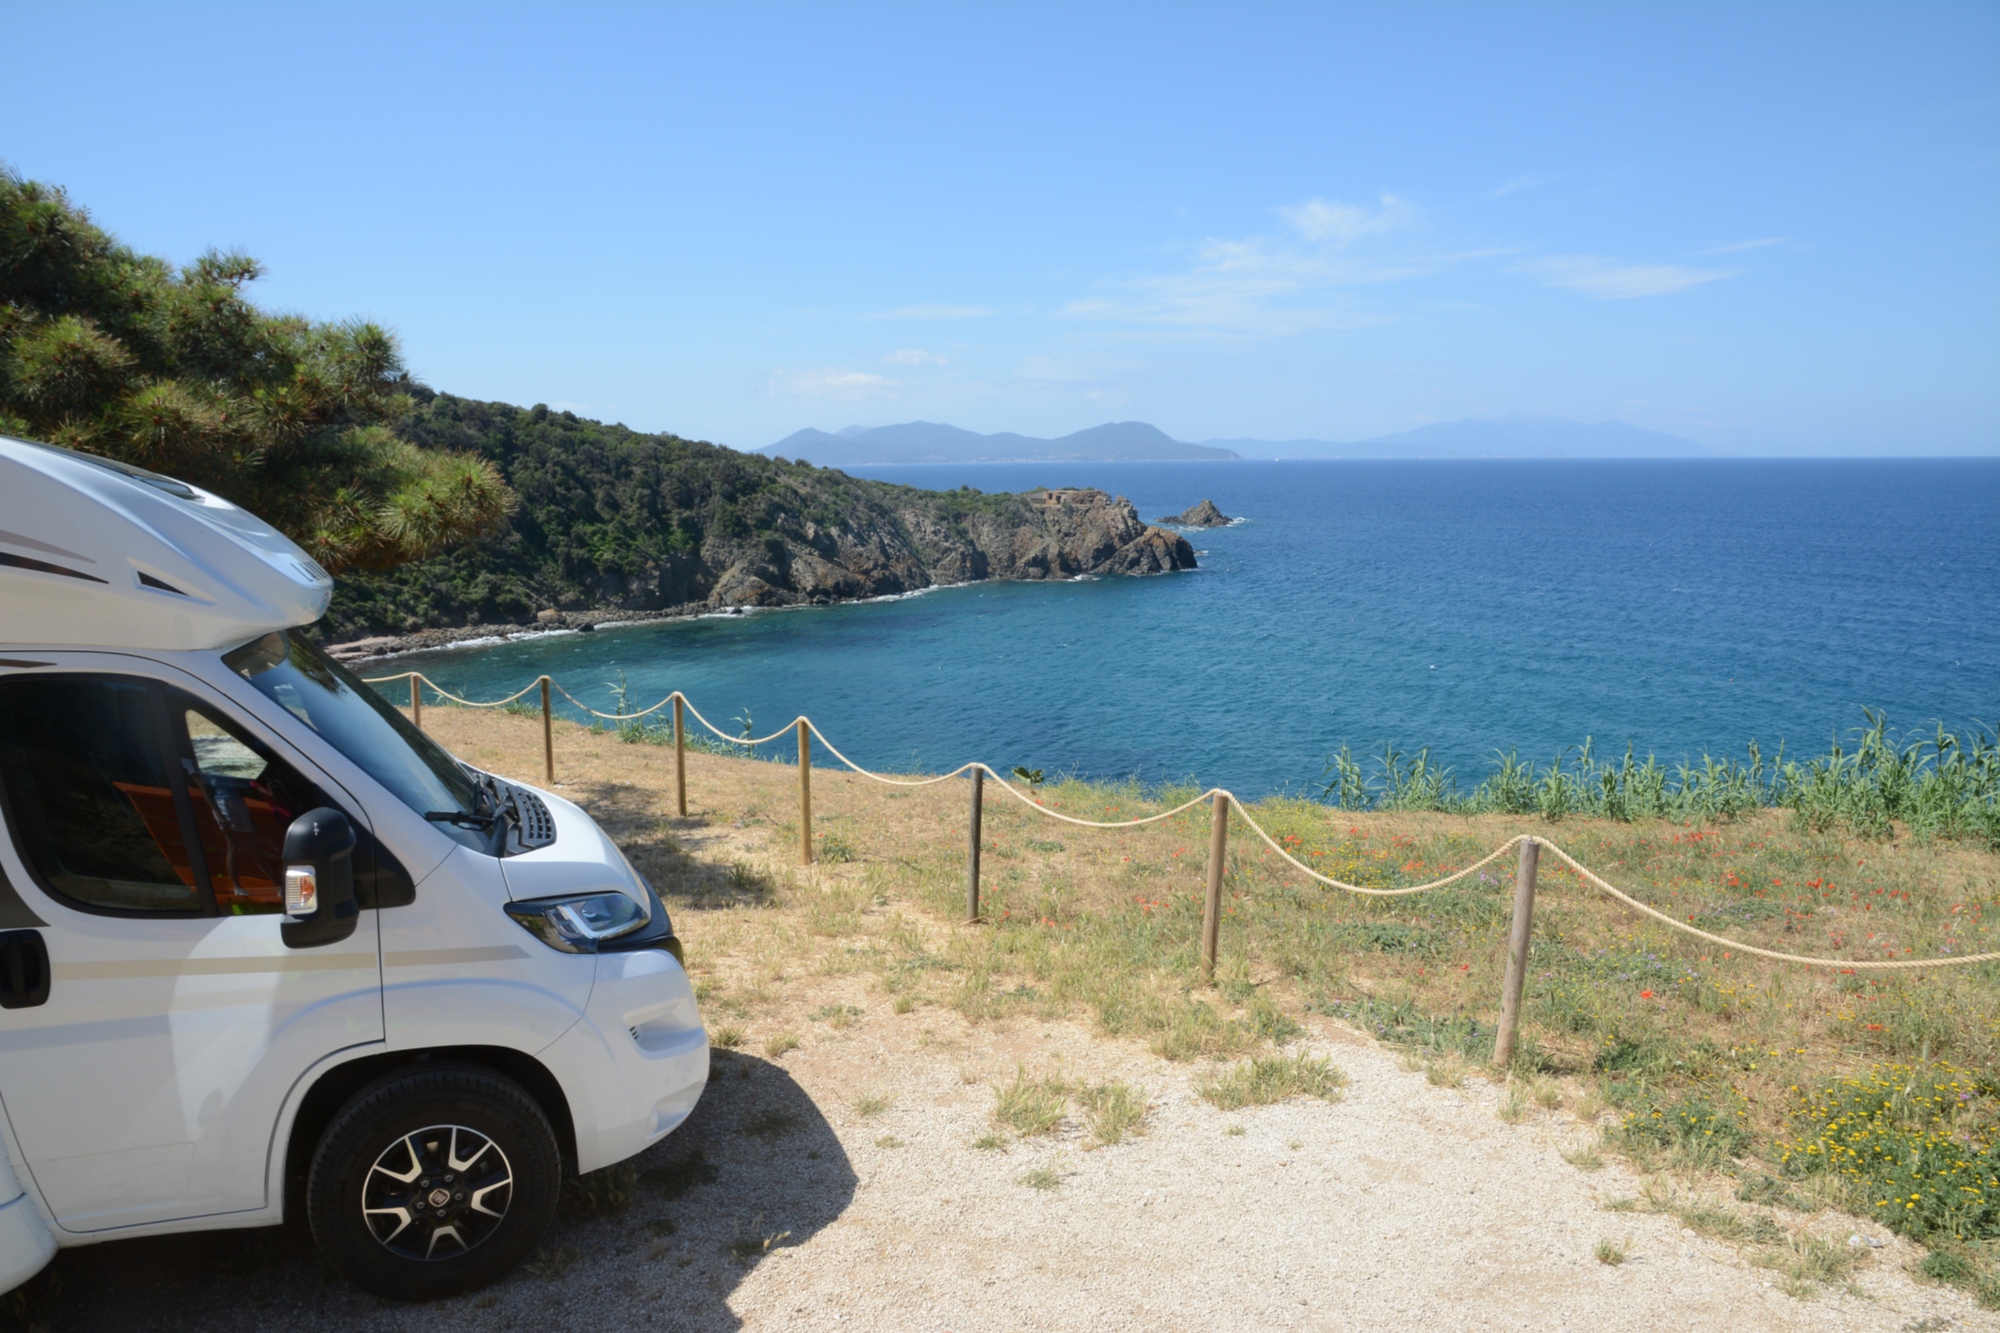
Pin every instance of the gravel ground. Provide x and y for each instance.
(1404, 1205)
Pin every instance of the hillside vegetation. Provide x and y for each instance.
(125, 355)
(615, 520)
(318, 428)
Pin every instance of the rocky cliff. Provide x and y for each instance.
(618, 525)
(930, 537)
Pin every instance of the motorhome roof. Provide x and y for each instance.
(97, 553)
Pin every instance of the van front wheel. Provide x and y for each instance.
(433, 1181)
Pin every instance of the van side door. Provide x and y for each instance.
(143, 831)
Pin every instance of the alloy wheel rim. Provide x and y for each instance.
(437, 1192)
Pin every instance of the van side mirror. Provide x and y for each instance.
(319, 880)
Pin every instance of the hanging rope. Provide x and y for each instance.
(469, 703)
(1583, 872)
(1873, 965)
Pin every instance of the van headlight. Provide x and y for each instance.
(581, 922)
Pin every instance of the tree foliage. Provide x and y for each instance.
(615, 518)
(121, 354)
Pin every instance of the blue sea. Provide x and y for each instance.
(1679, 607)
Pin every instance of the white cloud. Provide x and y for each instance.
(838, 384)
(1340, 224)
(1738, 247)
(1520, 183)
(1271, 286)
(1613, 280)
(914, 356)
(932, 312)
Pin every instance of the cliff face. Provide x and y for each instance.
(927, 539)
(616, 522)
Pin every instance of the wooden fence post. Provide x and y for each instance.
(1517, 951)
(805, 793)
(548, 737)
(972, 846)
(1211, 919)
(680, 759)
(416, 702)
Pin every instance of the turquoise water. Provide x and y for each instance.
(1679, 606)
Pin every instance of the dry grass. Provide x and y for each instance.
(753, 1244)
(552, 1262)
(604, 1193)
(1274, 1078)
(1585, 1156)
(1448, 1072)
(1032, 1106)
(1104, 926)
(1806, 1264)
(1114, 1111)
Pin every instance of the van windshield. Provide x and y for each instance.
(362, 725)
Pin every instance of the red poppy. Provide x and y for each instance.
(1645, 995)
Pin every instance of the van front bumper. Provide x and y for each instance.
(636, 1064)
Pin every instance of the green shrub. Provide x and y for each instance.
(1695, 1131)
(1916, 1146)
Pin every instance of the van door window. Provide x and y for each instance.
(243, 800)
(86, 768)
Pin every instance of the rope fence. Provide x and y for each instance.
(1527, 846)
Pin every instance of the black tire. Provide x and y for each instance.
(459, 1137)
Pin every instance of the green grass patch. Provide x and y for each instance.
(1692, 1129)
(1114, 1111)
(1274, 1078)
(1915, 1147)
(1032, 1106)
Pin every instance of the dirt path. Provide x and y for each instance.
(1403, 1205)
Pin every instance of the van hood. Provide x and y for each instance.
(581, 859)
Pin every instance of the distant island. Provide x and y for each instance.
(1136, 441)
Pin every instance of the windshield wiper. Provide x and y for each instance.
(462, 818)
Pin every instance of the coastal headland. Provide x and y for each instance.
(615, 525)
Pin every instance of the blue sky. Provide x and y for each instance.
(1771, 228)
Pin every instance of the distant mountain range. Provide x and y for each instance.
(929, 442)
(1135, 441)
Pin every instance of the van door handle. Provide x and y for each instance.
(24, 969)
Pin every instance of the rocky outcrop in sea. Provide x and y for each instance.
(1203, 515)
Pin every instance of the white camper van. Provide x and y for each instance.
(267, 950)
